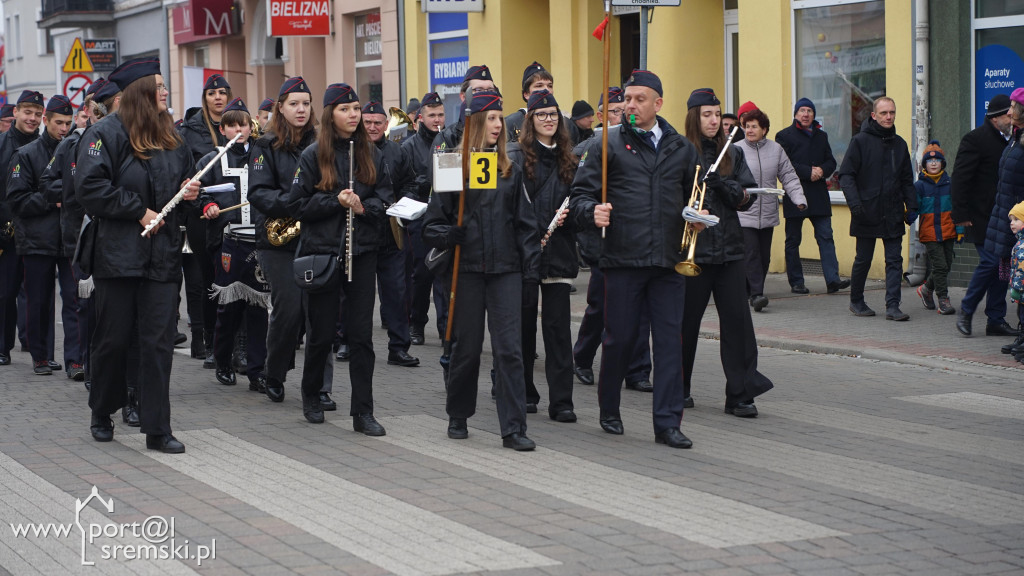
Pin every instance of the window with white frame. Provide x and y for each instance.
(369, 61)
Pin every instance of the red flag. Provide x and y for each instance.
(599, 31)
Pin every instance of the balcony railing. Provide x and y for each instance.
(63, 13)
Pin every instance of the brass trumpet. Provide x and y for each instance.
(281, 231)
(689, 243)
(399, 119)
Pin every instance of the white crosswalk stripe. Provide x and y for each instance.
(986, 404)
(697, 516)
(378, 528)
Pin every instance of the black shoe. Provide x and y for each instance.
(963, 322)
(759, 302)
(275, 390)
(88, 385)
(1016, 344)
(688, 402)
(226, 376)
(799, 289)
(258, 384)
(1001, 329)
(531, 408)
(833, 287)
(572, 288)
(198, 347)
(180, 338)
(76, 372)
(894, 313)
(673, 438)
(165, 443)
(209, 363)
(611, 424)
(402, 358)
(5, 359)
(416, 336)
(457, 429)
(743, 410)
(861, 309)
(518, 442)
(343, 353)
(102, 428)
(312, 410)
(368, 425)
(130, 413)
(41, 368)
(54, 365)
(564, 416)
(327, 403)
(641, 386)
(584, 375)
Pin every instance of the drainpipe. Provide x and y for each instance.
(402, 100)
(918, 259)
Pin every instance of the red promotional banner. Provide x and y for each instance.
(298, 18)
(203, 19)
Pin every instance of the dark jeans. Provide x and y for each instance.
(893, 251)
(230, 318)
(985, 283)
(826, 248)
(757, 245)
(940, 258)
(391, 286)
(591, 332)
(39, 292)
(557, 333)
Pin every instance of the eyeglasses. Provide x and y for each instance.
(544, 116)
(161, 88)
(616, 111)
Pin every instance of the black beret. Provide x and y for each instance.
(339, 94)
(7, 111)
(430, 99)
(134, 69)
(60, 104)
(535, 68)
(485, 100)
(615, 95)
(645, 78)
(216, 81)
(236, 104)
(702, 97)
(540, 99)
(96, 85)
(374, 107)
(295, 84)
(267, 105)
(31, 97)
(477, 73)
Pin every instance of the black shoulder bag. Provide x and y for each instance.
(314, 272)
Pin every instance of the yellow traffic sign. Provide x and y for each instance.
(483, 170)
(77, 60)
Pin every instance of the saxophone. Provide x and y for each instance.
(281, 231)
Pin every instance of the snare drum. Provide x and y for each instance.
(240, 233)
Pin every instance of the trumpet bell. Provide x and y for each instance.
(688, 268)
(398, 124)
(185, 248)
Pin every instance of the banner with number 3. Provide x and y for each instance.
(483, 170)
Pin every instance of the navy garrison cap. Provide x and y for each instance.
(483, 101)
(267, 105)
(133, 70)
(236, 104)
(702, 97)
(31, 97)
(96, 85)
(615, 95)
(59, 104)
(374, 107)
(7, 111)
(339, 94)
(540, 99)
(430, 99)
(295, 84)
(645, 78)
(477, 73)
(216, 81)
(535, 68)
(105, 92)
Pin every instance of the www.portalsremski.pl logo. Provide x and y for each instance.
(154, 537)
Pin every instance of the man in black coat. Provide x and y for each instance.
(878, 181)
(650, 175)
(974, 194)
(477, 79)
(808, 149)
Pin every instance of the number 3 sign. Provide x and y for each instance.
(483, 167)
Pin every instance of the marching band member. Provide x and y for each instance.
(136, 277)
(477, 79)
(536, 78)
(544, 152)
(263, 114)
(500, 253)
(241, 293)
(720, 254)
(321, 197)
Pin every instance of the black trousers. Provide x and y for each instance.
(737, 346)
(121, 302)
(627, 291)
(424, 283)
(499, 297)
(557, 333)
(321, 314)
(39, 315)
(391, 286)
(893, 251)
(198, 273)
(757, 245)
(588, 339)
(230, 318)
(11, 275)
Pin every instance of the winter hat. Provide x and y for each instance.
(1017, 96)
(702, 97)
(1018, 211)
(804, 102)
(934, 152)
(581, 109)
(997, 106)
(540, 99)
(413, 107)
(744, 108)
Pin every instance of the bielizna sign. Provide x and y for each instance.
(298, 18)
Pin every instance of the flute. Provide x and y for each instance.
(351, 186)
(181, 193)
(728, 142)
(554, 222)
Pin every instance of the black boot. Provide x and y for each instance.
(130, 412)
(312, 409)
(238, 356)
(1015, 346)
(198, 344)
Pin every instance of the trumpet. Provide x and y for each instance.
(398, 124)
(689, 243)
(281, 231)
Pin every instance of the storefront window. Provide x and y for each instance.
(840, 65)
(999, 51)
(369, 84)
(449, 58)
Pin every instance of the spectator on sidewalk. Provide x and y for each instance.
(807, 146)
(878, 182)
(974, 193)
(936, 230)
(1017, 271)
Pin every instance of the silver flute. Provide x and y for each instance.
(554, 221)
(350, 224)
(181, 193)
